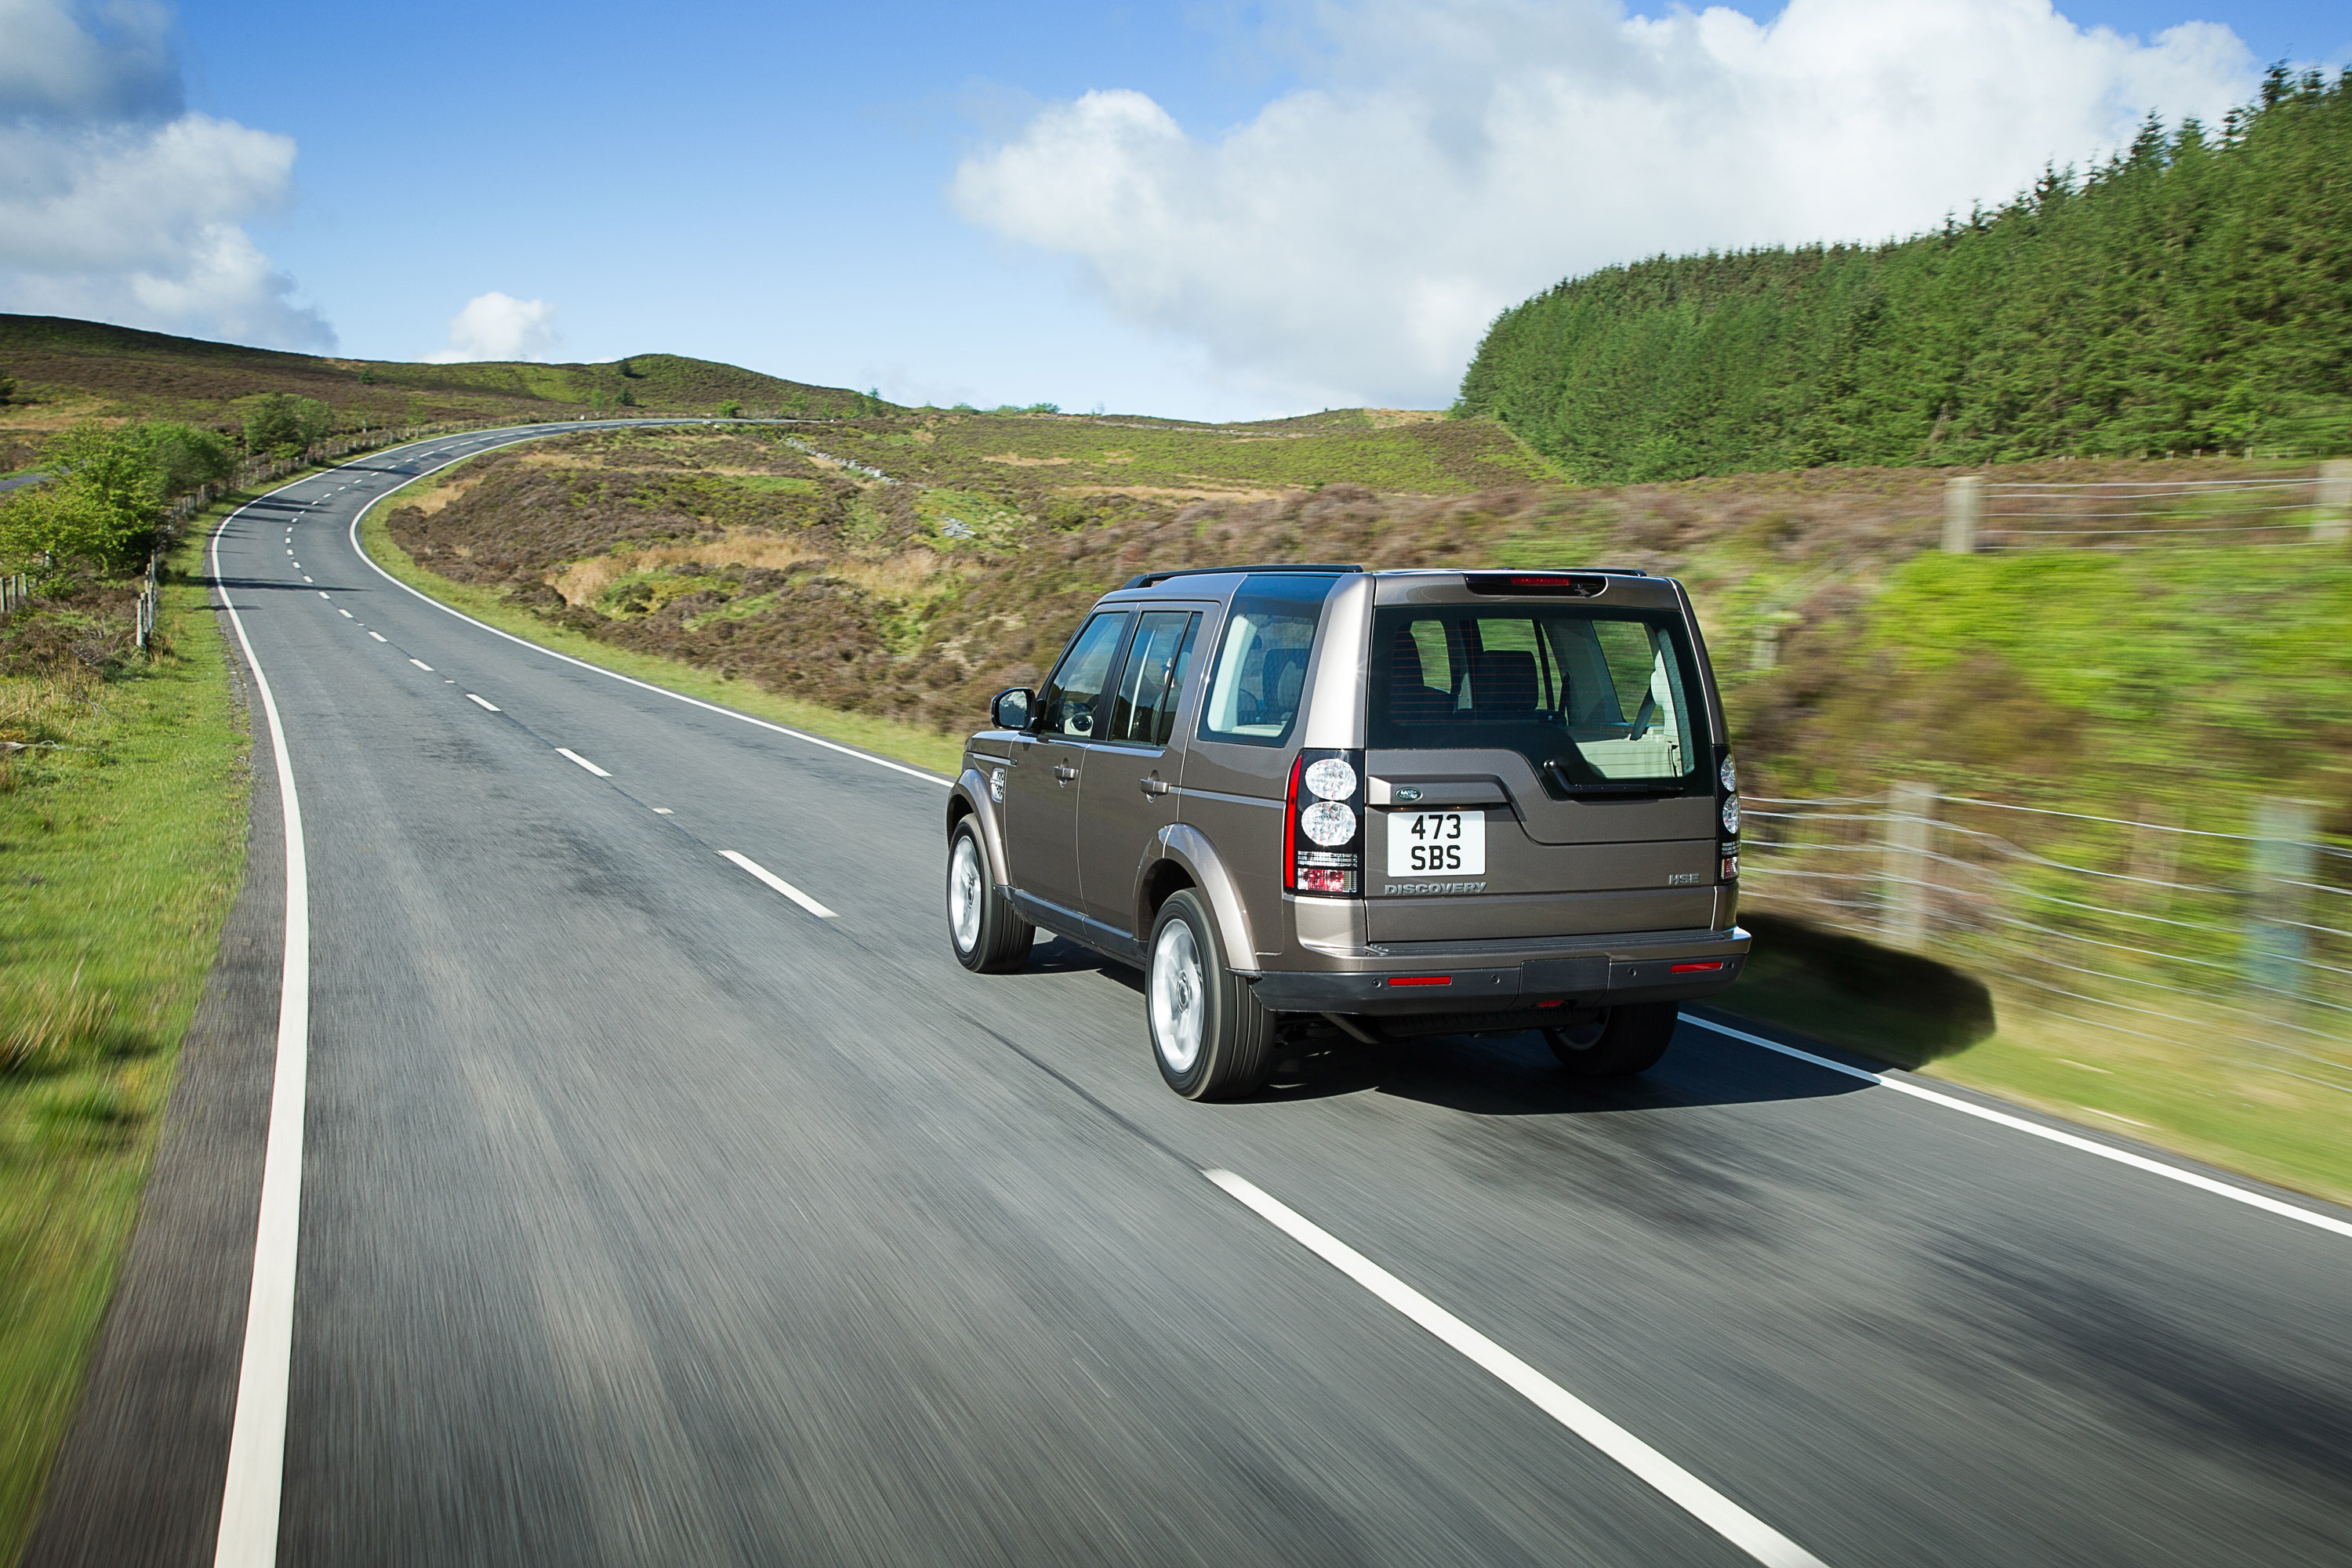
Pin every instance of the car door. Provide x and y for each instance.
(1041, 788)
(1134, 764)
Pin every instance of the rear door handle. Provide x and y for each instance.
(1064, 773)
(1157, 786)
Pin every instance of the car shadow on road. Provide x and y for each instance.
(1504, 1075)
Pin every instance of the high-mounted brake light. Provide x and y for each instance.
(1549, 584)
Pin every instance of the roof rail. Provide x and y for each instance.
(1147, 579)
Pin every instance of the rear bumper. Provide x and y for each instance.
(1599, 972)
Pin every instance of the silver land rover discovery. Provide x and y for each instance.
(1309, 798)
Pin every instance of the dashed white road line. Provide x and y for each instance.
(378, 635)
(664, 811)
(568, 752)
(345, 614)
(485, 702)
(324, 594)
(1677, 1484)
(422, 665)
(2262, 1201)
(803, 900)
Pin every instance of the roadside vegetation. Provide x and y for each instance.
(2190, 294)
(122, 789)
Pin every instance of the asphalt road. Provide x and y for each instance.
(650, 1218)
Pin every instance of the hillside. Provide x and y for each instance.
(67, 370)
(2193, 294)
(909, 567)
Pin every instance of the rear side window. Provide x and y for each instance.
(1596, 702)
(1261, 673)
(1074, 697)
(1157, 661)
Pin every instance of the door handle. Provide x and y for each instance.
(1064, 773)
(1156, 786)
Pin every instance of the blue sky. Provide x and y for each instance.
(1217, 211)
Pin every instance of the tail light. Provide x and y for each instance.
(1323, 825)
(1727, 808)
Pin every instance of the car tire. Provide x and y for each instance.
(988, 936)
(1210, 1035)
(1620, 1043)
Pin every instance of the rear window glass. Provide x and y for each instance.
(1261, 674)
(1597, 702)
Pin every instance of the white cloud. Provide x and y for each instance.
(1352, 242)
(116, 205)
(499, 326)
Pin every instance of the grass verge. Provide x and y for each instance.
(122, 848)
(903, 742)
(2236, 1106)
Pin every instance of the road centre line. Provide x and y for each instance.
(422, 665)
(485, 702)
(2267, 1204)
(346, 614)
(378, 635)
(568, 752)
(256, 1474)
(1677, 1484)
(803, 900)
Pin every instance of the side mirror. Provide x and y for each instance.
(1011, 709)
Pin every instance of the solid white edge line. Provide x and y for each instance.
(485, 702)
(568, 752)
(803, 900)
(2267, 1204)
(1677, 1484)
(912, 772)
(257, 1444)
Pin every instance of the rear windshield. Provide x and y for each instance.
(1600, 702)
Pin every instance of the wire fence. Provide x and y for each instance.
(2309, 507)
(2231, 941)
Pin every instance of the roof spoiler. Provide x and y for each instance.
(1147, 579)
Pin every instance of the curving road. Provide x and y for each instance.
(650, 1213)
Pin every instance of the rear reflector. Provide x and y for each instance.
(1420, 979)
(1709, 967)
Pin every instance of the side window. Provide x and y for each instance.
(1144, 711)
(1072, 698)
(1261, 674)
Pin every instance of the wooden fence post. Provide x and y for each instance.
(2334, 524)
(1963, 512)
(1903, 906)
(2284, 861)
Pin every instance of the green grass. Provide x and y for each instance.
(119, 860)
(2224, 1107)
(905, 742)
(1436, 458)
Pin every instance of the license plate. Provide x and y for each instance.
(1437, 843)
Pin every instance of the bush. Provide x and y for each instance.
(730, 409)
(49, 525)
(282, 425)
(185, 456)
